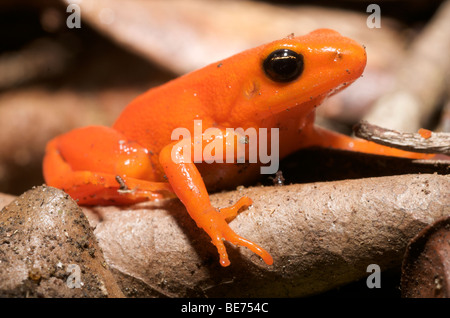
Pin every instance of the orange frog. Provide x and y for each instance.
(277, 85)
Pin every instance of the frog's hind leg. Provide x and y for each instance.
(91, 188)
(96, 165)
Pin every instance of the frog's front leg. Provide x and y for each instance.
(188, 185)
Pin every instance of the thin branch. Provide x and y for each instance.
(423, 141)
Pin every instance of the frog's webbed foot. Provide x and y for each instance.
(218, 229)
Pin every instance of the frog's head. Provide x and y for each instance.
(297, 72)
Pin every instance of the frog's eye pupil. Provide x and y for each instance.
(283, 65)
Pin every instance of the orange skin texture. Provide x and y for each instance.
(232, 93)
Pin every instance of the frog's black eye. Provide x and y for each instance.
(283, 65)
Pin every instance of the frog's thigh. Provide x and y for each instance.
(97, 165)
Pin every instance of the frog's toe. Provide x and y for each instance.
(231, 212)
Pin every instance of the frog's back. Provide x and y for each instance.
(237, 91)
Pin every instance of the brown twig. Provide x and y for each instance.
(417, 142)
(43, 58)
(321, 235)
